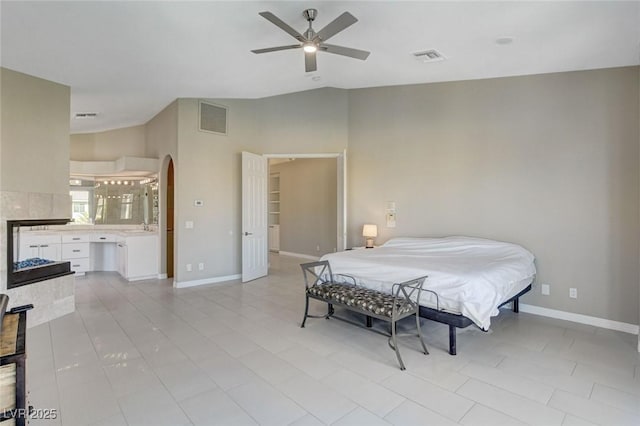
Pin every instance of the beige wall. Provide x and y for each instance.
(34, 178)
(315, 121)
(161, 141)
(308, 203)
(35, 134)
(209, 167)
(549, 162)
(209, 170)
(109, 145)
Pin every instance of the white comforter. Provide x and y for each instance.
(471, 276)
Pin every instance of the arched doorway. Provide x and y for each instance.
(169, 222)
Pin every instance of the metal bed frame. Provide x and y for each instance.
(460, 321)
(451, 319)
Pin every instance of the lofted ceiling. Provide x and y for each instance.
(128, 60)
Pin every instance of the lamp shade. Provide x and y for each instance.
(370, 230)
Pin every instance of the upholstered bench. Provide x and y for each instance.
(320, 284)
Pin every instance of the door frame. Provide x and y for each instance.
(341, 158)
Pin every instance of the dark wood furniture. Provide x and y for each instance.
(15, 359)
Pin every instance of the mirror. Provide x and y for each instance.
(131, 200)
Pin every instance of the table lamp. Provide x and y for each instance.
(369, 232)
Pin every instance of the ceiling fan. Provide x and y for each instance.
(311, 41)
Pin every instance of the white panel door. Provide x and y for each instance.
(255, 172)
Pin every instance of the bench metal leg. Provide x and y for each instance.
(306, 311)
(395, 345)
(452, 339)
(330, 310)
(426, 352)
(516, 305)
(369, 322)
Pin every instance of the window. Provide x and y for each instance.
(126, 206)
(80, 206)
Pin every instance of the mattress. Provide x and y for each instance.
(471, 276)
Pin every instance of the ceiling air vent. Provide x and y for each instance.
(213, 118)
(431, 55)
(85, 115)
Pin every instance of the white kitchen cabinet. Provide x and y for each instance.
(103, 237)
(76, 250)
(134, 255)
(44, 246)
(50, 251)
(80, 266)
(75, 238)
(121, 254)
(141, 257)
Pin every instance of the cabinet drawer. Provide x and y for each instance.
(75, 238)
(75, 250)
(103, 238)
(38, 239)
(80, 265)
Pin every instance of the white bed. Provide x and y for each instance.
(472, 276)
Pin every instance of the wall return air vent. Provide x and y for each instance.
(213, 118)
(85, 115)
(431, 55)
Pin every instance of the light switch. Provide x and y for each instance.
(390, 215)
(188, 224)
(391, 219)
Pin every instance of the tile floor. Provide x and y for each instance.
(233, 354)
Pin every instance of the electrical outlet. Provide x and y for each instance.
(573, 293)
(317, 248)
(189, 267)
(188, 224)
(201, 266)
(544, 289)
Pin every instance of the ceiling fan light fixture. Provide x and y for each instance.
(312, 42)
(310, 47)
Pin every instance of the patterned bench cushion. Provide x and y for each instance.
(358, 297)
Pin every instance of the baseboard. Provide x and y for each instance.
(162, 276)
(582, 319)
(144, 277)
(304, 256)
(214, 280)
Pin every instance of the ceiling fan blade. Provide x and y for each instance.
(334, 27)
(345, 51)
(275, 49)
(280, 23)
(310, 62)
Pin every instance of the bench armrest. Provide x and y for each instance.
(402, 293)
(351, 277)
